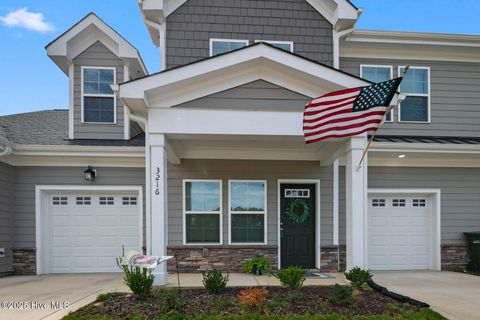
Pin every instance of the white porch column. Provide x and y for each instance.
(158, 203)
(356, 202)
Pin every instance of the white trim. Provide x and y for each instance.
(274, 42)
(428, 96)
(391, 77)
(265, 212)
(126, 119)
(71, 101)
(435, 222)
(42, 241)
(318, 229)
(184, 213)
(336, 219)
(82, 95)
(212, 40)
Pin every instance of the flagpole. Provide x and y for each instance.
(375, 133)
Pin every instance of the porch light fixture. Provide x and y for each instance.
(90, 174)
(402, 156)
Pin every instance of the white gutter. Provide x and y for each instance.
(425, 147)
(336, 41)
(7, 150)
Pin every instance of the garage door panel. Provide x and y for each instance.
(87, 238)
(398, 233)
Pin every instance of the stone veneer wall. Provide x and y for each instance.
(454, 258)
(24, 261)
(224, 258)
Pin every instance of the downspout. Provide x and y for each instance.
(336, 41)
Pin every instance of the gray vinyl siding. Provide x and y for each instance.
(460, 195)
(191, 26)
(455, 97)
(26, 178)
(257, 95)
(96, 55)
(6, 218)
(248, 170)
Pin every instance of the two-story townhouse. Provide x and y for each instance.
(206, 160)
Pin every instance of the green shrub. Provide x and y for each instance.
(292, 277)
(261, 264)
(342, 295)
(139, 280)
(103, 297)
(214, 281)
(358, 277)
(171, 299)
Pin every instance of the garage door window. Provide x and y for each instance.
(399, 202)
(60, 201)
(82, 201)
(202, 205)
(378, 202)
(104, 201)
(129, 201)
(419, 202)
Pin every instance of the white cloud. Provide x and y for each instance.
(23, 18)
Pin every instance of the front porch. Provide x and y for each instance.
(235, 121)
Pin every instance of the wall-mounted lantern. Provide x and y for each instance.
(90, 174)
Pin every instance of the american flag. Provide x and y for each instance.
(348, 112)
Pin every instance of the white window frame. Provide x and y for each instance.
(230, 212)
(184, 216)
(273, 42)
(427, 95)
(212, 40)
(83, 95)
(391, 77)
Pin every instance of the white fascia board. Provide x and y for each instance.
(74, 161)
(229, 65)
(94, 27)
(100, 151)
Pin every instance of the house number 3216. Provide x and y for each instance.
(157, 181)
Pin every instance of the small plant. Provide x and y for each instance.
(358, 277)
(214, 281)
(253, 299)
(103, 297)
(257, 266)
(138, 279)
(342, 295)
(171, 299)
(292, 277)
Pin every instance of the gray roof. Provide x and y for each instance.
(50, 127)
(428, 139)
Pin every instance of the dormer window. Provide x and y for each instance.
(98, 99)
(218, 46)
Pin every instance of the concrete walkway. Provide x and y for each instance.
(455, 295)
(36, 293)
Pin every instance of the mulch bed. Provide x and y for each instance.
(312, 300)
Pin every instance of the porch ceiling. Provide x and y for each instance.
(247, 147)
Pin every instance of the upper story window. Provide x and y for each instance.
(98, 99)
(375, 73)
(284, 45)
(416, 87)
(218, 46)
(203, 211)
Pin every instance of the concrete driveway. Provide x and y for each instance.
(35, 294)
(454, 295)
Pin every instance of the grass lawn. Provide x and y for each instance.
(319, 302)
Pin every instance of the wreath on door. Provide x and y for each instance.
(297, 211)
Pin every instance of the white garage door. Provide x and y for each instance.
(87, 231)
(398, 232)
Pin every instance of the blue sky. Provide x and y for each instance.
(31, 81)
